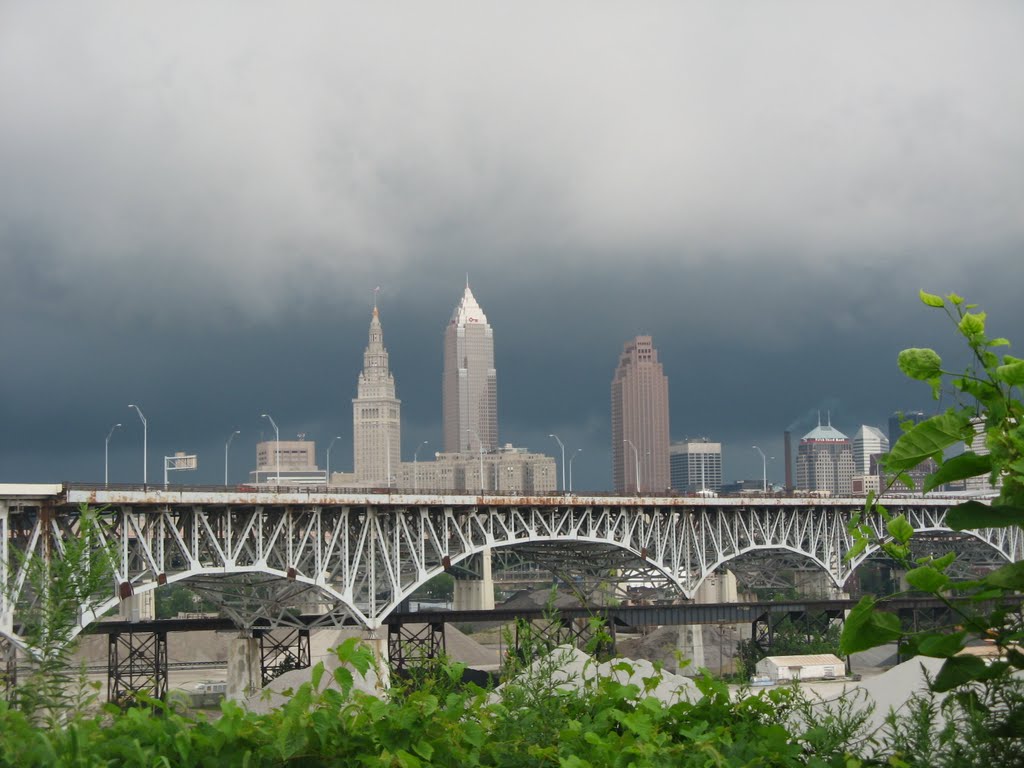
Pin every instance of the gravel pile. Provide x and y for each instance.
(572, 668)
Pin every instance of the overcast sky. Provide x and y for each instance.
(197, 200)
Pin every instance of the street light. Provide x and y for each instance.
(226, 446)
(145, 444)
(571, 460)
(415, 467)
(764, 470)
(636, 456)
(480, 445)
(557, 440)
(106, 454)
(277, 444)
(335, 438)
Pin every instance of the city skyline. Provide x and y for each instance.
(193, 214)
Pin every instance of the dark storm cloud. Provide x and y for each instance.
(196, 203)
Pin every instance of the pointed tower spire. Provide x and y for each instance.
(376, 412)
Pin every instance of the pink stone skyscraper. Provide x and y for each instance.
(469, 388)
(640, 431)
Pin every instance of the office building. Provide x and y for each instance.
(469, 388)
(868, 442)
(376, 415)
(824, 462)
(695, 465)
(640, 420)
(504, 470)
(287, 462)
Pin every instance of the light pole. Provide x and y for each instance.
(415, 467)
(106, 454)
(636, 457)
(557, 440)
(480, 445)
(277, 444)
(145, 444)
(226, 446)
(764, 470)
(571, 460)
(335, 438)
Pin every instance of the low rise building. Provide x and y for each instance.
(819, 666)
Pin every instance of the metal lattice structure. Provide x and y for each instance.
(282, 651)
(352, 559)
(136, 664)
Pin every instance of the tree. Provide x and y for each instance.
(61, 588)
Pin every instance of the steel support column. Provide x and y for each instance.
(282, 651)
(413, 645)
(547, 634)
(136, 664)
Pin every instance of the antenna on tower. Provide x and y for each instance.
(375, 292)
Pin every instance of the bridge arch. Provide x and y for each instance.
(998, 541)
(365, 553)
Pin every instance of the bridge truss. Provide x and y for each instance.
(353, 559)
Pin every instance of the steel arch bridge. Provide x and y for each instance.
(353, 558)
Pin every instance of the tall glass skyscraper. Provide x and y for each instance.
(640, 420)
(376, 415)
(469, 386)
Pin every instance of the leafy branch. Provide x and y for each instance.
(990, 413)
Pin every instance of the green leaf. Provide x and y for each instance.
(954, 299)
(928, 438)
(1012, 374)
(967, 464)
(927, 579)
(931, 300)
(942, 646)
(964, 669)
(945, 561)
(972, 325)
(1008, 577)
(867, 627)
(921, 364)
(318, 673)
(424, 749)
(900, 529)
(999, 342)
(973, 514)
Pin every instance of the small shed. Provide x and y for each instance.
(818, 666)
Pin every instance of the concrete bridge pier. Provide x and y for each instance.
(141, 607)
(719, 587)
(243, 678)
(476, 594)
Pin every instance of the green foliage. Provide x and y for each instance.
(175, 599)
(59, 590)
(441, 587)
(987, 398)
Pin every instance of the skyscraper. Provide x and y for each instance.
(469, 386)
(695, 465)
(824, 461)
(868, 442)
(640, 426)
(376, 415)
